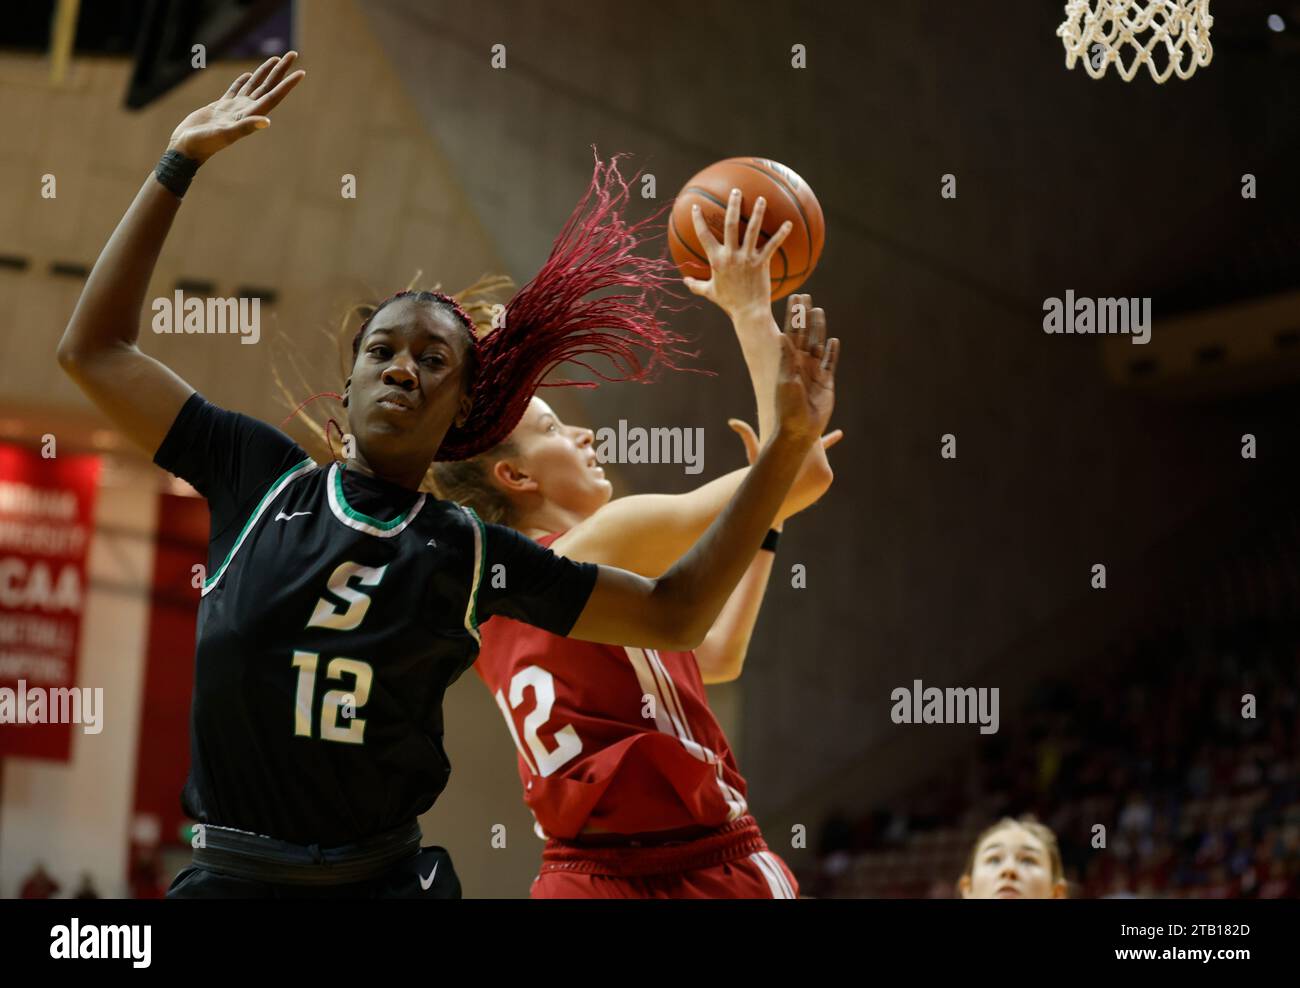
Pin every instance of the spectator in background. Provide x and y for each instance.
(146, 875)
(39, 884)
(1014, 859)
(836, 834)
(87, 889)
(1191, 808)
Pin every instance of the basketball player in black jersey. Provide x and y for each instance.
(341, 600)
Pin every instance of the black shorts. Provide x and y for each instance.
(427, 875)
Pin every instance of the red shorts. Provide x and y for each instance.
(731, 863)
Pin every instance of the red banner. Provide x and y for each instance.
(47, 511)
(161, 764)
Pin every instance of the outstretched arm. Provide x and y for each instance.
(677, 609)
(98, 350)
(647, 533)
(721, 656)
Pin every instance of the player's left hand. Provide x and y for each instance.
(740, 272)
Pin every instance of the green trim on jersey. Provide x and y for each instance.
(280, 484)
(345, 513)
(480, 546)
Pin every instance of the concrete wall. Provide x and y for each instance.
(266, 212)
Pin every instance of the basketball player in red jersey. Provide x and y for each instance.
(624, 766)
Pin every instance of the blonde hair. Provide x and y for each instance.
(469, 482)
(1030, 823)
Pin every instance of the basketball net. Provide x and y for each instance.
(1127, 32)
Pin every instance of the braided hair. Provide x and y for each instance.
(551, 320)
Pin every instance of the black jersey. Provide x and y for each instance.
(336, 611)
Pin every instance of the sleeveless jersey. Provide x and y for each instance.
(619, 739)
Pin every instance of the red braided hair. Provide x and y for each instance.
(551, 321)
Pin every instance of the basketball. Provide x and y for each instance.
(788, 197)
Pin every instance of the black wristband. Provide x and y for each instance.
(770, 540)
(175, 171)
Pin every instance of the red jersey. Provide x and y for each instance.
(620, 739)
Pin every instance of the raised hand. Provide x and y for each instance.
(242, 109)
(739, 272)
(792, 308)
(805, 388)
(815, 476)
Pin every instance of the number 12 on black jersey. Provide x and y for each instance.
(328, 615)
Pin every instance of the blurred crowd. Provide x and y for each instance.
(145, 880)
(40, 884)
(1171, 770)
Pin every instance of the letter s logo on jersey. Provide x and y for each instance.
(328, 615)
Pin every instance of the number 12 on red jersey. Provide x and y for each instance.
(567, 743)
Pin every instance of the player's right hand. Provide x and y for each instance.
(740, 279)
(240, 111)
